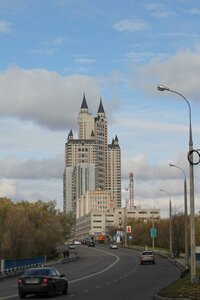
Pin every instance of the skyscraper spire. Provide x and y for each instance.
(70, 135)
(116, 140)
(84, 104)
(101, 109)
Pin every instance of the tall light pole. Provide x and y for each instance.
(185, 206)
(170, 223)
(192, 208)
(153, 231)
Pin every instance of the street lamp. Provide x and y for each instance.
(186, 221)
(153, 227)
(192, 210)
(170, 222)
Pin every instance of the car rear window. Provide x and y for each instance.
(37, 272)
(147, 253)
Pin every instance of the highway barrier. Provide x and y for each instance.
(18, 266)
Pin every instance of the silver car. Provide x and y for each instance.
(147, 256)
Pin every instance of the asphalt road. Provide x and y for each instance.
(101, 274)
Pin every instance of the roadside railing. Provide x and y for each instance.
(18, 266)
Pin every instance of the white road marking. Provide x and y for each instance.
(100, 272)
(9, 297)
(82, 278)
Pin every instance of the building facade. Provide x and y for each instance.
(114, 171)
(94, 201)
(91, 165)
(97, 223)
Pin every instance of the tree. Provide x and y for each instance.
(17, 239)
(31, 229)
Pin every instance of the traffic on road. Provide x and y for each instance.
(101, 273)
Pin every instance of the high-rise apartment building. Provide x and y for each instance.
(114, 171)
(91, 164)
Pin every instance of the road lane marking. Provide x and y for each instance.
(99, 272)
(9, 297)
(84, 277)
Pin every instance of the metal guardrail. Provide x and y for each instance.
(18, 270)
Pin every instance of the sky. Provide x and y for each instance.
(54, 51)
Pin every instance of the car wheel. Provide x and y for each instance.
(52, 292)
(65, 291)
(22, 295)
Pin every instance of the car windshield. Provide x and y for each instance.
(36, 272)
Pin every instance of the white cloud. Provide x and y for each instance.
(48, 52)
(60, 40)
(179, 72)
(4, 26)
(194, 11)
(159, 10)
(130, 25)
(32, 190)
(45, 97)
(13, 168)
(143, 170)
(84, 61)
(7, 188)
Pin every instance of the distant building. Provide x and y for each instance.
(92, 178)
(94, 201)
(91, 164)
(114, 171)
(97, 223)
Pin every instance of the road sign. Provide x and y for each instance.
(153, 232)
(128, 229)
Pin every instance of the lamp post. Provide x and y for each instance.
(153, 228)
(185, 206)
(125, 226)
(192, 209)
(170, 222)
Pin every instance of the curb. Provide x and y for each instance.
(184, 269)
(164, 298)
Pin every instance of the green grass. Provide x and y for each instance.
(182, 288)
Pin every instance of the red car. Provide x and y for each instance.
(42, 281)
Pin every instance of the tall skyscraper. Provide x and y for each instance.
(114, 171)
(90, 163)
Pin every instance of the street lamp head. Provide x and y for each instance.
(162, 88)
(161, 190)
(172, 165)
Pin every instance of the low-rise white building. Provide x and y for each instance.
(98, 223)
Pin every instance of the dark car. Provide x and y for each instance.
(42, 281)
(91, 244)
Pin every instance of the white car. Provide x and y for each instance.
(77, 242)
(113, 246)
(72, 246)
